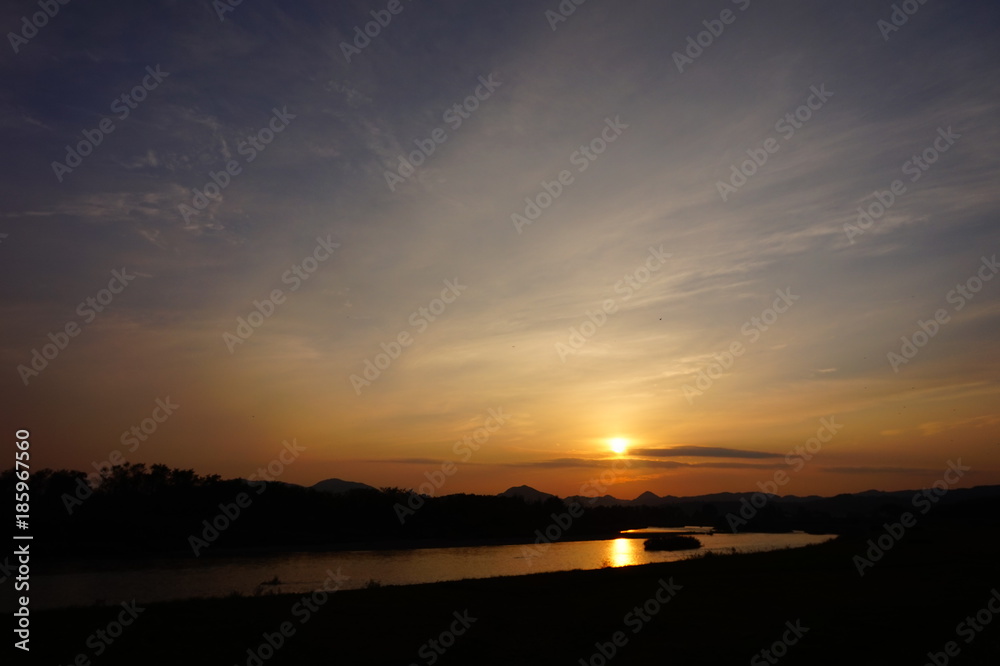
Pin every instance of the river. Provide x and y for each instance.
(147, 581)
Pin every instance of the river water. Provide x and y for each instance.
(148, 581)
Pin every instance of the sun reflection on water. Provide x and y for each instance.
(622, 552)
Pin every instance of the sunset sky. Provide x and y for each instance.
(591, 173)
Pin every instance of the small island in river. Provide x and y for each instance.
(671, 542)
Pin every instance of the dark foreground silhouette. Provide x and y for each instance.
(711, 610)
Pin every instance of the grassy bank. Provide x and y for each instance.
(728, 609)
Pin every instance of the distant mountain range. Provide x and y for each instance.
(652, 499)
(844, 500)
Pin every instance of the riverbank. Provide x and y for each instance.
(728, 609)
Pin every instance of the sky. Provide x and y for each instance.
(479, 243)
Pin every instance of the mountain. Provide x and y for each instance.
(648, 499)
(866, 501)
(606, 500)
(337, 486)
(527, 493)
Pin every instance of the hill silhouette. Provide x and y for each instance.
(139, 511)
(527, 493)
(339, 486)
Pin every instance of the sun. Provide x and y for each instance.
(618, 444)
